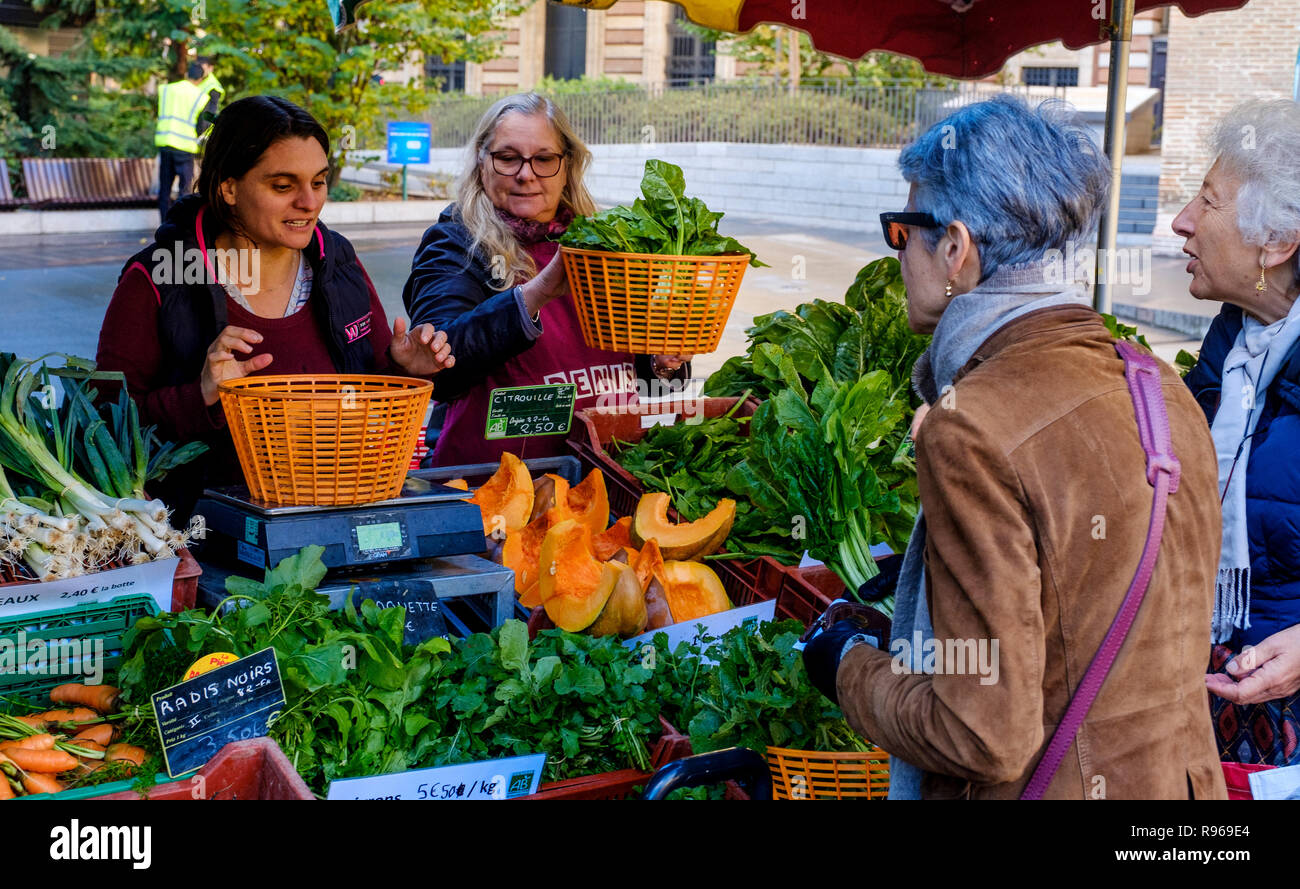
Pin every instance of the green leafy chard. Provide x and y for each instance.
(662, 221)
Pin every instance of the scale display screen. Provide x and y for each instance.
(382, 536)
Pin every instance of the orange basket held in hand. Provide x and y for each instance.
(807, 774)
(651, 304)
(329, 440)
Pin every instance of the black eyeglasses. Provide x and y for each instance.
(895, 226)
(509, 163)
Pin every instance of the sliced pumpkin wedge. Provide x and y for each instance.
(506, 499)
(685, 541)
(589, 502)
(572, 583)
(693, 590)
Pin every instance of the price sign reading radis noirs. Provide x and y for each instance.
(232, 703)
(517, 411)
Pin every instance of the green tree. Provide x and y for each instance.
(49, 105)
(289, 48)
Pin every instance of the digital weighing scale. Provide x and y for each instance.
(419, 548)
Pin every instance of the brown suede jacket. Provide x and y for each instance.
(1033, 483)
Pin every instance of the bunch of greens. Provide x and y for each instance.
(757, 695)
(350, 684)
(840, 341)
(662, 221)
(826, 466)
(359, 702)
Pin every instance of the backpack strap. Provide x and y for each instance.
(1163, 472)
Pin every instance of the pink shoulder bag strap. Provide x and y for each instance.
(1163, 471)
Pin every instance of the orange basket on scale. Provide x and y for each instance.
(327, 440)
(651, 304)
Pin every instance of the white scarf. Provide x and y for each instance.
(1248, 370)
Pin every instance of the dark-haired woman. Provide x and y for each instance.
(242, 279)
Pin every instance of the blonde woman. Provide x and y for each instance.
(489, 274)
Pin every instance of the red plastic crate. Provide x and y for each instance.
(671, 745)
(252, 769)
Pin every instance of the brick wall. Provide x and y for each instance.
(1215, 61)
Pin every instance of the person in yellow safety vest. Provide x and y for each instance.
(213, 94)
(179, 104)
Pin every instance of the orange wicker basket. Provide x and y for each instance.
(651, 304)
(805, 774)
(332, 440)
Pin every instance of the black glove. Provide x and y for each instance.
(884, 583)
(821, 656)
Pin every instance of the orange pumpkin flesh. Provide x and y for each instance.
(458, 483)
(607, 543)
(688, 540)
(531, 597)
(693, 590)
(506, 499)
(572, 583)
(590, 502)
(522, 547)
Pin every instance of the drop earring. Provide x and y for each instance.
(1260, 285)
(947, 290)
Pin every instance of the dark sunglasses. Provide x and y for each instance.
(895, 226)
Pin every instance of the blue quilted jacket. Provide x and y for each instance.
(1272, 481)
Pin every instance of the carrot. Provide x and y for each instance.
(101, 698)
(35, 782)
(6, 792)
(79, 714)
(32, 742)
(37, 721)
(85, 744)
(119, 752)
(101, 734)
(46, 761)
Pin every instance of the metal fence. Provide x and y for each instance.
(831, 113)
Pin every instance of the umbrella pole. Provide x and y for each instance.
(1121, 36)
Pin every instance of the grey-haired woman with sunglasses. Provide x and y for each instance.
(490, 275)
(1035, 502)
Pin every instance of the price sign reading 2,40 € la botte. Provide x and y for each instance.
(517, 411)
(231, 703)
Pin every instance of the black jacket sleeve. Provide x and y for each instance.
(450, 289)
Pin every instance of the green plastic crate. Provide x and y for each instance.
(106, 620)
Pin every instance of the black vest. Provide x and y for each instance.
(191, 315)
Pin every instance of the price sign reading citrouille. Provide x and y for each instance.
(518, 411)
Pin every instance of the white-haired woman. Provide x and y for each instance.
(489, 274)
(1242, 231)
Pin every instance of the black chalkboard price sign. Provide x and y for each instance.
(424, 617)
(517, 411)
(231, 703)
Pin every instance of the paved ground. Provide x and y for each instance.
(55, 288)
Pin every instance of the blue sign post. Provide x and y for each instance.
(408, 143)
